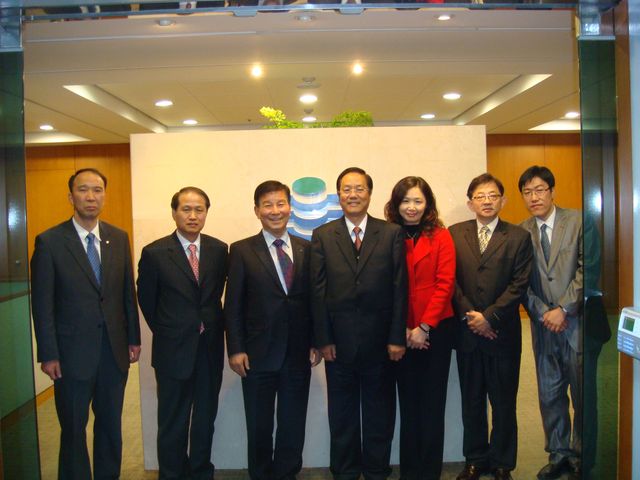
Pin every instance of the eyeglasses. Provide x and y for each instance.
(357, 190)
(539, 192)
(492, 197)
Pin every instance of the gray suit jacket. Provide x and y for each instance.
(559, 283)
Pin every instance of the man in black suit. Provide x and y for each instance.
(493, 263)
(269, 334)
(86, 326)
(180, 283)
(359, 297)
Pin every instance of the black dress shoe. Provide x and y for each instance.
(553, 470)
(471, 472)
(502, 474)
(575, 473)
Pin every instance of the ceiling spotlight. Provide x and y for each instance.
(163, 103)
(572, 115)
(357, 69)
(427, 116)
(46, 127)
(190, 121)
(256, 71)
(308, 98)
(309, 119)
(451, 96)
(305, 17)
(444, 17)
(165, 22)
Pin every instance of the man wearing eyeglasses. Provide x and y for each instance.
(554, 304)
(358, 300)
(493, 263)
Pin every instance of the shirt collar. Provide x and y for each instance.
(270, 238)
(351, 225)
(549, 222)
(492, 225)
(185, 243)
(83, 232)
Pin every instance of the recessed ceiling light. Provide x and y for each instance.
(46, 127)
(572, 115)
(190, 121)
(309, 119)
(443, 17)
(451, 96)
(256, 71)
(308, 98)
(427, 116)
(305, 17)
(165, 22)
(357, 69)
(163, 103)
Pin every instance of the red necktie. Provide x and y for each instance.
(195, 266)
(357, 242)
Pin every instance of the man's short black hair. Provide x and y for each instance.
(355, 170)
(268, 187)
(175, 200)
(72, 178)
(543, 173)
(481, 180)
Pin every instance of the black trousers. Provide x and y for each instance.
(364, 387)
(185, 403)
(105, 392)
(495, 377)
(290, 385)
(422, 377)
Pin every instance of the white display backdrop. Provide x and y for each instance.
(228, 165)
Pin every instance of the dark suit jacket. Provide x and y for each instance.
(261, 319)
(174, 304)
(70, 309)
(493, 283)
(360, 306)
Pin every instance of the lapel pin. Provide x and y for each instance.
(107, 242)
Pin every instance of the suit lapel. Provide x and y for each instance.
(498, 237)
(471, 236)
(261, 250)
(421, 249)
(298, 259)
(557, 237)
(106, 253)
(369, 242)
(74, 244)
(345, 245)
(532, 227)
(179, 257)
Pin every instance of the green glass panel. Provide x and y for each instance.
(18, 426)
(598, 112)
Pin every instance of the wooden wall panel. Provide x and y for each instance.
(510, 155)
(48, 171)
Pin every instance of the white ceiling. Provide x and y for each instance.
(514, 69)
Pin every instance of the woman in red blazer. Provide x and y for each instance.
(423, 373)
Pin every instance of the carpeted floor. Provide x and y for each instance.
(531, 455)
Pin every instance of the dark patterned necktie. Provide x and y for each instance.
(544, 242)
(94, 258)
(286, 265)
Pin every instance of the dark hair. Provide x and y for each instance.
(354, 170)
(95, 171)
(430, 218)
(268, 187)
(175, 200)
(481, 180)
(543, 173)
